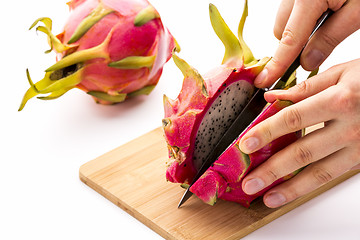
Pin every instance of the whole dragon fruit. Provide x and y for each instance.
(204, 110)
(111, 49)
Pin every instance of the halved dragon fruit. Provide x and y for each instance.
(204, 110)
(233, 165)
(111, 49)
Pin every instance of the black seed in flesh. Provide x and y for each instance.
(214, 124)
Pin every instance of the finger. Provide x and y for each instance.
(308, 87)
(290, 119)
(311, 148)
(282, 17)
(357, 167)
(342, 24)
(309, 179)
(294, 37)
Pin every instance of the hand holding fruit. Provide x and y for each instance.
(331, 97)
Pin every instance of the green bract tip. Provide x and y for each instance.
(134, 62)
(95, 16)
(147, 14)
(190, 72)
(143, 91)
(248, 56)
(54, 42)
(233, 51)
(54, 87)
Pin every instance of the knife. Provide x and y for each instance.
(247, 115)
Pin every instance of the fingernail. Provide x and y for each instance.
(261, 77)
(253, 186)
(313, 59)
(250, 144)
(274, 200)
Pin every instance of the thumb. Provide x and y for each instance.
(343, 23)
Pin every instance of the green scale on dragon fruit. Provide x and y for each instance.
(111, 49)
(205, 108)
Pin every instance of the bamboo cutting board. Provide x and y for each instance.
(133, 177)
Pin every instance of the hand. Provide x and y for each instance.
(332, 97)
(293, 26)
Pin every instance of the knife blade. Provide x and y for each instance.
(254, 107)
(249, 113)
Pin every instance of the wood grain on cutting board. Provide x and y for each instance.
(132, 176)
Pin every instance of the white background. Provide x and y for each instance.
(44, 145)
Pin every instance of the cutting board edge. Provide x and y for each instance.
(293, 205)
(251, 228)
(88, 170)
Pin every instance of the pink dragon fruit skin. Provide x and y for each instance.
(205, 108)
(233, 174)
(186, 113)
(111, 49)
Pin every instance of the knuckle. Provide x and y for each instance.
(275, 63)
(292, 119)
(329, 40)
(303, 156)
(288, 38)
(321, 175)
(272, 175)
(303, 87)
(345, 102)
(266, 132)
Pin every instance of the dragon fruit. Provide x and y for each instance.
(231, 167)
(111, 49)
(205, 108)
